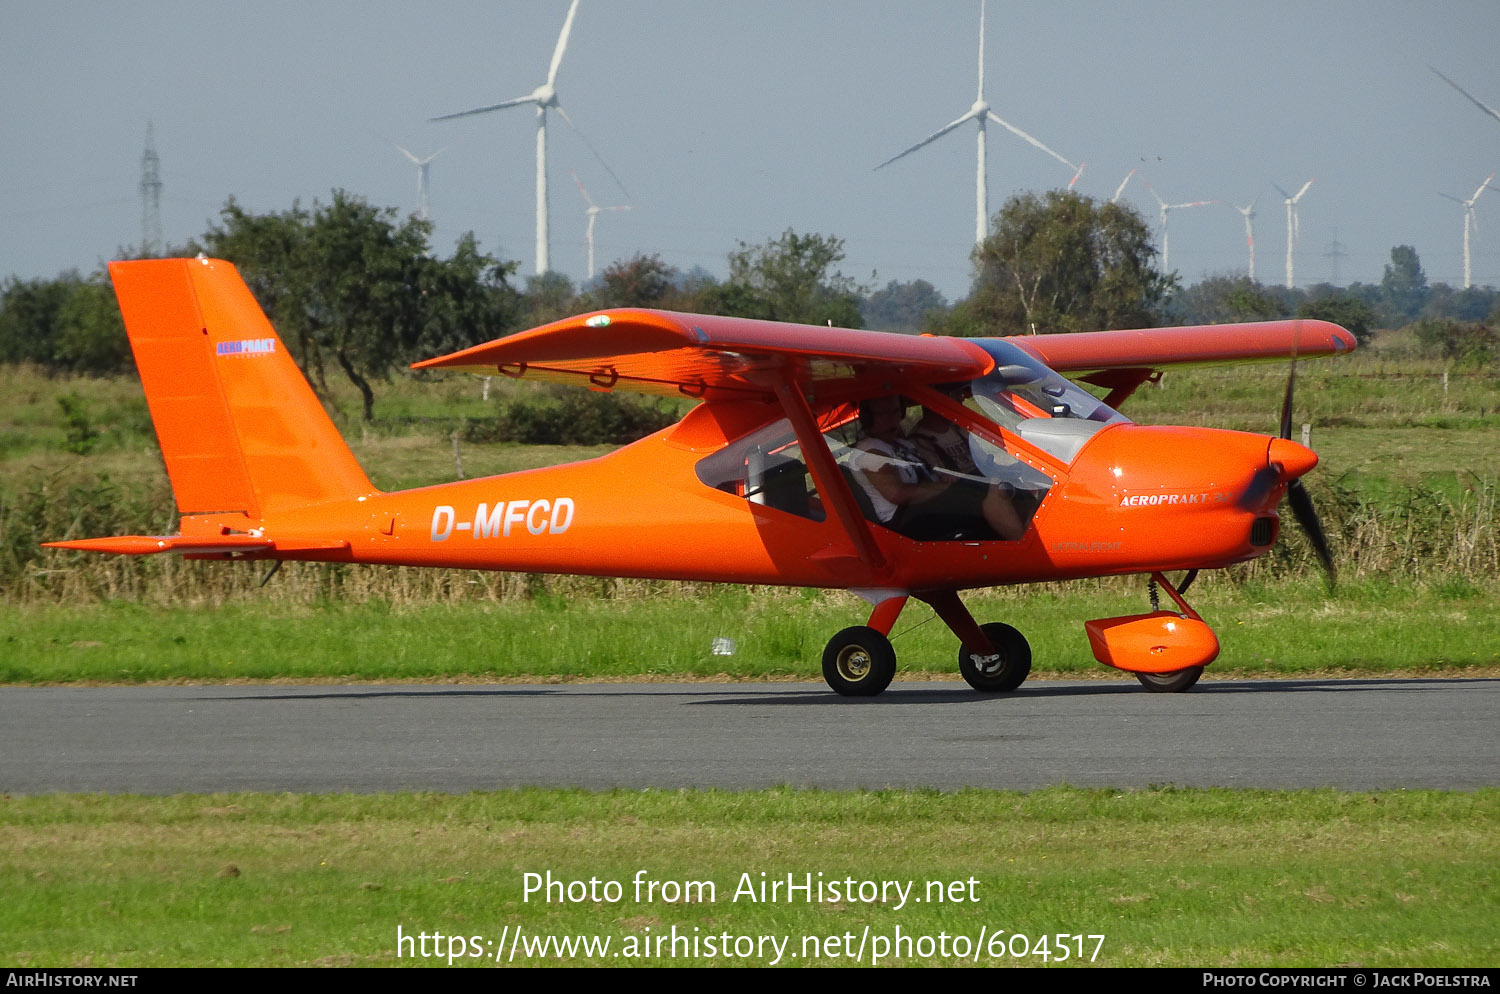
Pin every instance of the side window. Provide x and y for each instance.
(921, 474)
(765, 467)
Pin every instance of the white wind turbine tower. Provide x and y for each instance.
(1469, 222)
(1291, 225)
(980, 113)
(1167, 209)
(544, 96)
(593, 212)
(422, 204)
(1249, 213)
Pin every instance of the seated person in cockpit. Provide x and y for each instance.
(922, 499)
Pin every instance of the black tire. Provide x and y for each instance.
(859, 662)
(1170, 683)
(1003, 674)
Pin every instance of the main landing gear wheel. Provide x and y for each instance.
(1170, 683)
(859, 662)
(1006, 670)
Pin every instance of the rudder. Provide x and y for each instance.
(239, 426)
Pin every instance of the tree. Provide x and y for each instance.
(903, 306)
(1346, 310)
(352, 284)
(640, 281)
(68, 324)
(790, 278)
(1404, 284)
(1223, 298)
(1064, 262)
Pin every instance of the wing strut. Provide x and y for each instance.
(826, 474)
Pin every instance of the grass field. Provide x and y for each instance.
(1165, 877)
(660, 630)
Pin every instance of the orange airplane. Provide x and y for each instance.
(894, 466)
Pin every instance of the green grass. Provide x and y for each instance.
(1168, 877)
(657, 631)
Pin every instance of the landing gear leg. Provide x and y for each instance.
(993, 658)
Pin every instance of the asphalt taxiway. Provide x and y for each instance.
(1352, 734)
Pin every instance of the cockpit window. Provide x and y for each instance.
(1037, 404)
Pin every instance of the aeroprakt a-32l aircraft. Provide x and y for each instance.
(800, 465)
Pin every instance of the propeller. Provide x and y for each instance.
(1297, 496)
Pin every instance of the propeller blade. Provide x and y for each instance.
(1307, 517)
(928, 140)
(1121, 188)
(562, 45)
(1302, 191)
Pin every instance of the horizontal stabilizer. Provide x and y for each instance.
(142, 545)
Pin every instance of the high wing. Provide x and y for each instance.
(1120, 361)
(1211, 344)
(698, 355)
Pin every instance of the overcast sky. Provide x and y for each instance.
(731, 121)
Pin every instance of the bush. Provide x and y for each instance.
(1460, 341)
(565, 415)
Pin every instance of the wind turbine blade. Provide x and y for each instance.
(434, 155)
(581, 188)
(1121, 188)
(569, 122)
(1195, 203)
(1152, 190)
(1023, 135)
(928, 140)
(1481, 188)
(1451, 197)
(1475, 100)
(415, 161)
(562, 45)
(981, 51)
(528, 99)
(1302, 191)
(1284, 194)
(1074, 181)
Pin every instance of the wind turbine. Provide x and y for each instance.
(1291, 225)
(1249, 213)
(1121, 188)
(544, 96)
(1167, 209)
(421, 164)
(593, 212)
(1469, 221)
(1475, 100)
(979, 113)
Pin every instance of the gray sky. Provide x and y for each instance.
(736, 120)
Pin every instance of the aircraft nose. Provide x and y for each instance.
(1289, 459)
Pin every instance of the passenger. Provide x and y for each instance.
(917, 499)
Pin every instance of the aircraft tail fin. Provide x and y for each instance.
(240, 427)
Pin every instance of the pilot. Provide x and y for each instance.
(913, 496)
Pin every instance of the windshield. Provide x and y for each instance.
(1036, 403)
